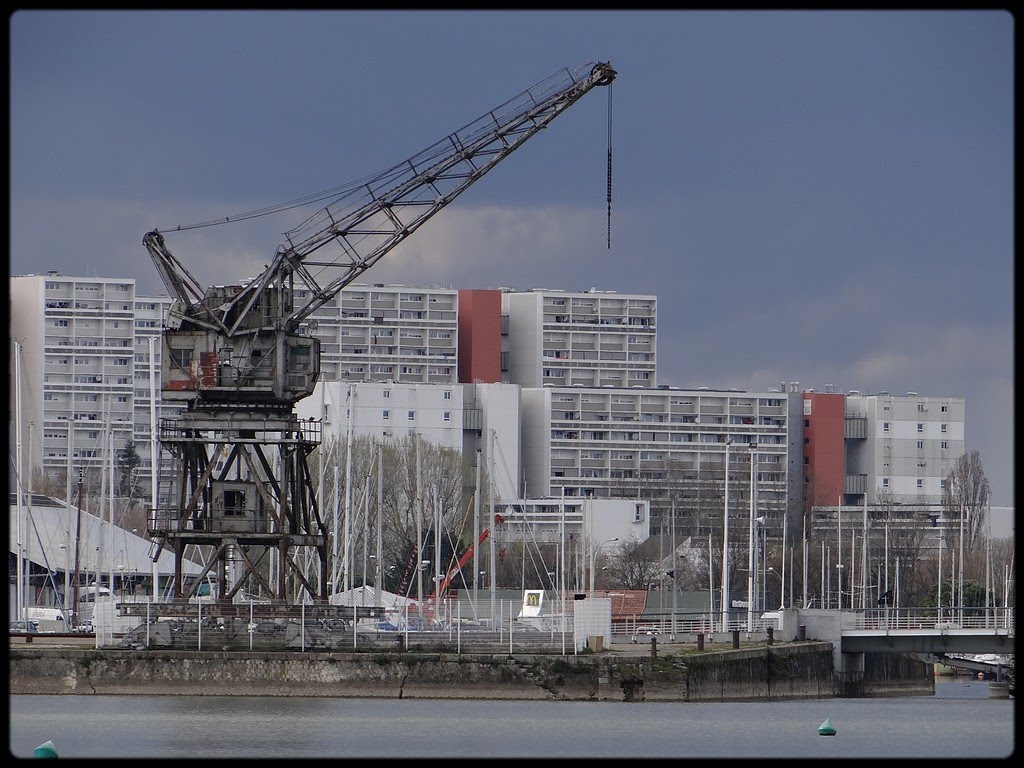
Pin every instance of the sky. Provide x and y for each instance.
(822, 197)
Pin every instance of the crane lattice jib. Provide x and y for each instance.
(369, 219)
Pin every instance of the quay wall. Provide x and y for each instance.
(800, 670)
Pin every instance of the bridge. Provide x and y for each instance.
(926, 632)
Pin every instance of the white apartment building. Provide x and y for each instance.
(77, 339)
(575, 520)
(664, 444)
(902, 444)
(85, 365)
(387, 411)
(591, 338)
(388, 333)
(491, 424)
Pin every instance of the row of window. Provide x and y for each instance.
(920, 427)
(447, 394)
(386, 415)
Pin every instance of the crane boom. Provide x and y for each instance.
(244, 344)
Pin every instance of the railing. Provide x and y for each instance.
(995, 619)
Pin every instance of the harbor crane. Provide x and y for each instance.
(238, 357)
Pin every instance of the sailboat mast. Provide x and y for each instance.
(380, 511)
(19, 582)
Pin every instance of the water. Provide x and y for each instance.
(959, 721)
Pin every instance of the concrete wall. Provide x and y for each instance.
(763, 673)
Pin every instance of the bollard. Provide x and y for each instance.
(801, 632)
(700, 641)
(46, 749)
(735, 638)
(654, 647)
(999, 690)
(771, 634)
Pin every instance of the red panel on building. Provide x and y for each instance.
(479, 336)
(824, 447)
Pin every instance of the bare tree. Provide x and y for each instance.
(966, 492)
(633, 564)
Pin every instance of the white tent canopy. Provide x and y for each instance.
(48, 531)
(367, 596)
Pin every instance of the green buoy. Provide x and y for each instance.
(826, 728)
(46, 749)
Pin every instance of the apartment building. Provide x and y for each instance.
(591, 338)
(85, 365)
(77, 369)
(882, 446)
(665, 444)
(388, 333)
(387, 411)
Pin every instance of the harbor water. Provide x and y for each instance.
(960, 720)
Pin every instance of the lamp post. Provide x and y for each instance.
(593, 557)
(759, 531)
(839, 549)
(750, 545)
(725, 544)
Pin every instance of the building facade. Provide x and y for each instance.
(77, 369)
(388, 333)
(665, 444)
(387, 412)
(885, 447)
(84, 371)
(911, 443)
(590, 338)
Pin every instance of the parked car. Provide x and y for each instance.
(24, 627)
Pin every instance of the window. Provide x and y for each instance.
(943, 429)
(920, 427)
(412, 415)
(885, 426)
(387, 393)
(447, 394)
(885, 482)
(447, 415)
(920, 483)
(945, 445)
(61, 323)
(386, 415)
(944, 408)
(920, 407)
(234, 504)
(920, 444)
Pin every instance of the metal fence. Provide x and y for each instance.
(204, 625)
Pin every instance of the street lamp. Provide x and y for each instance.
(725, 544)
(593, 557)
(750, 543)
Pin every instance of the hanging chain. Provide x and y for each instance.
(609, 166)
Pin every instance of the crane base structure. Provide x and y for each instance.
(241, 493)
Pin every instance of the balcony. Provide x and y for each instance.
(855, 428)
(855, 484)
